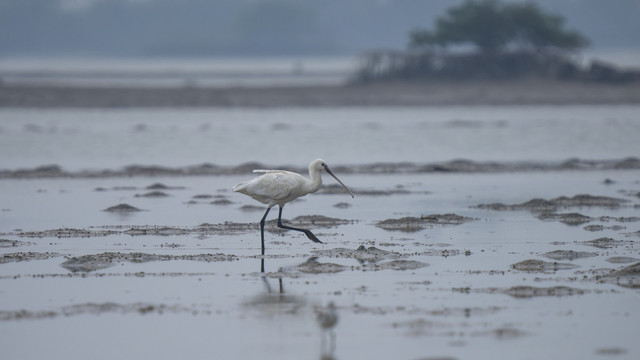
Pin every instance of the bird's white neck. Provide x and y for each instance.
(316, 179)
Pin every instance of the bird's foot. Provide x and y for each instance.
(312, 237)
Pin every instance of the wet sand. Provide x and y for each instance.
(453, 259)
(456, 265)
(521, 92)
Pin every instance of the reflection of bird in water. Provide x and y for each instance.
(278, 187)
(328, 318)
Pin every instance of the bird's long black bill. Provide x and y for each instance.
(338, 180)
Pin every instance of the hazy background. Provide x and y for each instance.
(239, 28)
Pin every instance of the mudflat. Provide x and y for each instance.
(517, 92)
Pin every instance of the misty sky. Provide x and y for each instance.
(123, 28)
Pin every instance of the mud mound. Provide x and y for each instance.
(203, 197)
(226, 228)
(581, 200)
(596, 227)
(98, 309)
(361, 254)
(252, 208)
(637, 234)
(161, 186)
(5, 243)
(153, 194)
(396, 265)
(318, 220)
(157, 230)
(446, 219)
(627, 277)
(407, 224)
(568, 255)
(604, 243)
(66, 233)
(412, 224)
(541, 266)
(342, 205)
(530, 291)
(26, 256)
(622, 259)
(565, 218)
(313, 266)
(122, 208)
(89, 263)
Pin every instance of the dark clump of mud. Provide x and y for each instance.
(161, 186)
(226, 228)
(97, 309)
(637, 234)
(5, 243)
(568, 254)
(26, 256)
(362, 254)
(122, 208)
(88, 263)
(628, 276)
(622, 259)
(408, 224)
(611, 351)
(533, 265)
(313, 266)
(153, 194)
(565, 218)
(66, 233)
(399, 264)
(342, 205)
(371, 258)
(598, 227)
(221, 202)
(530, 291)
(604, 243)
(542, 205)
(203, 196)
(318, 220)
(411, 224)
(446, 219)
(252, 208)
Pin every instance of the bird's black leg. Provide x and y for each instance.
(262, 232)
(305, 231)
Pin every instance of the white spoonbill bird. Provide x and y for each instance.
(278, 187)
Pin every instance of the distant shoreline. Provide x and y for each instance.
(501, 93)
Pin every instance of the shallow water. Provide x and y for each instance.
(89, 139)
(446, 291)
(456, 306)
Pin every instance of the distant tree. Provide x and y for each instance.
(494, 27)
(535, 28)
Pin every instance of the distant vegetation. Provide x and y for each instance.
(488, 39)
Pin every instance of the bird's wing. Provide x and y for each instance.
(265, 171)
(274, 185)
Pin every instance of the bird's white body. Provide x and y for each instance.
(278, 187)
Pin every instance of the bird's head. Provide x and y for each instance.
(318, 164)
(321, 165)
